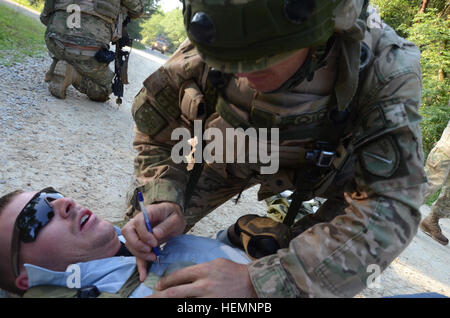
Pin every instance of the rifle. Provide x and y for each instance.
(121, 62)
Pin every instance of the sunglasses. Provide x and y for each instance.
(36, 214)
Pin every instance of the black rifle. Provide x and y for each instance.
(121, 62)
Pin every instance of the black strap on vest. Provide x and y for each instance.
(341, 119)
(216, 81)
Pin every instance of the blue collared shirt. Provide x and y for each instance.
(109, 274)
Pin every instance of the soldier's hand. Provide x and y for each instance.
(167, 221)
(219, 278)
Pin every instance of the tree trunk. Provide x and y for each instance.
(423, 6)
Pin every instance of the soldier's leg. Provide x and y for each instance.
(440, 209)
(437, 169)
(96, 80)
(50, 72)
(61, 74)
(93, 90)
(333, 207)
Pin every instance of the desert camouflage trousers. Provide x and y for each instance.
(437, 168)
(96, 77)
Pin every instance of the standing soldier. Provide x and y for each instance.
(344, 96)
(437, 169)
(78, 36)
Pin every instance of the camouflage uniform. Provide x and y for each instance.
(437, 169)
(77, 46)
(374, 191)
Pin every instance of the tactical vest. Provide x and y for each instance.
(107, 10)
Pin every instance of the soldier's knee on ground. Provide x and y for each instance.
(94, 91)
(326, 213)
(98, 96)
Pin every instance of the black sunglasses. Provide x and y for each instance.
(36, 214)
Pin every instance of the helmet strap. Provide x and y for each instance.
(315, 60)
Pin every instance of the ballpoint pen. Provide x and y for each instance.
(147, 223)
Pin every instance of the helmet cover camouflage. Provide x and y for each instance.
(237, 36)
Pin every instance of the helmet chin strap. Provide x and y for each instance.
(315, 60)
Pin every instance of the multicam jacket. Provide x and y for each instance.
(96, 25)
(381, 144)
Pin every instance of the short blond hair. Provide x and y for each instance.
(6, 282)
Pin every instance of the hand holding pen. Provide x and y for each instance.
(167, 221)
(147, 223)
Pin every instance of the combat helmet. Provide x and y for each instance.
(236, 36)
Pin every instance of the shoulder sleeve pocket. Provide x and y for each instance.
(146, 117)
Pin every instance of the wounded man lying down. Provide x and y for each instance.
(50, 246)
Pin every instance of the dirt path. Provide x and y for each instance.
(84, 149)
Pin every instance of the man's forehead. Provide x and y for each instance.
(17, 204)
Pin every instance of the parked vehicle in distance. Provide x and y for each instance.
(160, 44)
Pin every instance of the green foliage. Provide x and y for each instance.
(20, 36)
(37, 5)
(135, 26)
(434, 121)
(138, 45)
(134, 29)
(150, 7)
(433, 198)
(167, 25)
(430, 31)
(399, 14)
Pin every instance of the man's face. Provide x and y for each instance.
(272, 78)
(68, 237)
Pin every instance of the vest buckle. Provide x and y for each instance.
(321, 156)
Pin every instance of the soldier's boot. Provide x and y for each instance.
(49, 74)
(430, 226)
(63, 76)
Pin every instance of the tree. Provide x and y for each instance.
(426, 23)
(398, 14)
(430, 32)
(167, 25)
(135, 26)
(423, 6)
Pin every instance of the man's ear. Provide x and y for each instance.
(22, 280)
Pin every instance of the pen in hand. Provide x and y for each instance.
(147, 223)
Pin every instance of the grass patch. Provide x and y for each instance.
(138, 45)
(433, 198)
(20, 37)
(35, 5)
